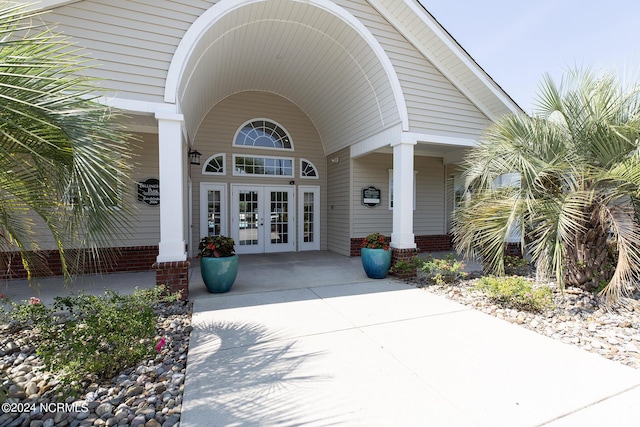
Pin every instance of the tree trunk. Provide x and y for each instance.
(589, 263)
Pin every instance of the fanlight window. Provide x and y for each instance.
(214, 165)
(263, 134)
(307, 169)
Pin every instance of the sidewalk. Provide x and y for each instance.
(380, 352)
(308, 339)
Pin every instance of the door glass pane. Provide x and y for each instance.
(213, 212)
(308, 221)
(279, 210)
(248, 218)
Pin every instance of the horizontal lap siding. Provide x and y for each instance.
(218, 129)
(434, 104)
(147, 224)
(131, 42)
(429, 216)
(339, 203)
(372, 170)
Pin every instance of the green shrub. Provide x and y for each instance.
(516, 265)
(516, 292)
(445, 270)
(93, 336)
(404, 266)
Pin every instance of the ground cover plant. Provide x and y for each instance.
(88, 337)
(516, 292)
(442, 270)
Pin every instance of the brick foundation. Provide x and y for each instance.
(174, 275)
(424, 243)
(513, 249)
(132, 258)
(403, 255)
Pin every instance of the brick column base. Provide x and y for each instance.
(403, 255)
(174, 275)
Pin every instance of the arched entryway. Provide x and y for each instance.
(315, 54)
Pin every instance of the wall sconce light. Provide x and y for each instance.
(194, 156)
(335, 160)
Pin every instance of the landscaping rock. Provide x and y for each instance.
(132, 398)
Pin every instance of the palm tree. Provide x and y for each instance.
(64, 163)
(575, 201)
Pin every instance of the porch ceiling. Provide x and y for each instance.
(297, 50)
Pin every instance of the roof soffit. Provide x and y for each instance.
(299, 51)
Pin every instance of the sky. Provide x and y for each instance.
(517, 42)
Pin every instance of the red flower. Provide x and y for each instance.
(160, 344)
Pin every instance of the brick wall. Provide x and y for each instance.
(174, 275)
(424, 243)
(133, 258)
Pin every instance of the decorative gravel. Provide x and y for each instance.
(149, 394)
(579, 318)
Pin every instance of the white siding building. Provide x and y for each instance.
(296, 106)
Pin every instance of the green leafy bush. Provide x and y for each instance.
(516, 292)
(85, 335)
(514, 265)
(404, 267)
(444, 270)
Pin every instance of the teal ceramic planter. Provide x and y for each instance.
(376, 262)
(219, 274)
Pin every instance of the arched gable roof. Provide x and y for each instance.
(313, 53)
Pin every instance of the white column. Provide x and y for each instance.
(402, 236)
(171, 165)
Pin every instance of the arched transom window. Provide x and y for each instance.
(262, 133)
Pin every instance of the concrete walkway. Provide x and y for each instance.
(308, 339)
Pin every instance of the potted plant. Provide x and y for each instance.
(375, 255)
(218, 263)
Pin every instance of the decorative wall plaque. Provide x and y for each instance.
(371, 196)
(149, 191)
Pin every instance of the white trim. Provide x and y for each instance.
(293, 166)
(224, 164)
(454, 48)
(218, 11)
(312, 165)
(50, 4)
(205, 187)
(257, 119)
(377, 141)
(315, 245)
(138, 106)
(390, 201)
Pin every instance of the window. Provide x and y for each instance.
(308, 169)
(214, 165)
(264, 166)
(262, 133)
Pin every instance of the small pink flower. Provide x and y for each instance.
(35, 301)
(160, 344)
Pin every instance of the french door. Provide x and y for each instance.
(263, 218)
